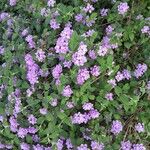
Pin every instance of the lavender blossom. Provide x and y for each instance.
(139, 127)
(67, 91)
(126, 145)
(116, 127)
(123, 8)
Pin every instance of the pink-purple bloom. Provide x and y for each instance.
(67, 91)
(109, 96)
(32, 69)
(43, 111)
(104, 12)
(54, 25)
(116, 127)
(12, 2)
(123, 8)
(83, 75)
(140, 70)
(32, 119)
(57, 71)
(95, 70)
(126, 145)
(87, 106)
(97, 146)
(40, 55)
(62, 44)
(139, 127)
(138, 147)
(82, 147)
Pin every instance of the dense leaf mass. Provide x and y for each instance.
(75, 74)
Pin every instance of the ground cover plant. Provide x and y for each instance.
(74, 74)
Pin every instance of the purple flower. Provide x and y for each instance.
(89, 33)
(109, 30)
(51, 3)
(140, 70)
(2, 50)
(9, 146)
(43, 111)
(54, 102)
(62, 44)
(95, 71)
(126, 74)
(12, 2)
(24, 146)
(67, 64)
(30, 41)
(102, 51)
(32, 69)
(87, 106)
(79, 118)
(119, 76)
(145, 29)
(2, 146)
(44, 12)
(103, 12)
(94, 114)
(92, 54)
(116, 127)
(83, 75)
(40, 55)
(56, 72)
(13, 124)
(82, 48)
(24, 32)
(138, 147)
(54, 25)
(79, 17)
(79, 59)
(67, 91)
(123, 8)
(3, 16)
(97, 146)
(112, 82)
(38, 147)
(126, 145)
(139, 127)
(32, 119)
(69, 144)
(82, 147)
(1, 118)
(89, 8)
(22, 132)
(32, 130)
(59, 144)
(35, 138)
(109, 96)
(70, 105)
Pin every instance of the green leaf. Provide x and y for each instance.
(74, 41)
(118, 90)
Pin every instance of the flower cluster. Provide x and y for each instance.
(127, 145)
(83, 75)
(79, 58)
(32, 69)
(30, 41)
(79, 118)
(140, 70)
(63, 41)
(116, 127)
